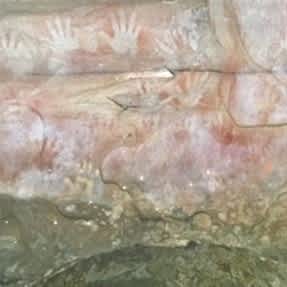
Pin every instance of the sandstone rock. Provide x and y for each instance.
(135, 35)
(137, 129)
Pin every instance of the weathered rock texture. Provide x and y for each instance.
(216, 35)
(181, 142)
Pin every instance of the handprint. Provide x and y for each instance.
(18, 55)
(168, 47)
(174, 41)
(48, 154)
(181, 40)
(87, 181)
(125, 34)
(62, 38)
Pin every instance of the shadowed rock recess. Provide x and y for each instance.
(143, 143)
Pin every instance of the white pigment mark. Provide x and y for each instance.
(62, 36)
(17, 53)
(125, 34)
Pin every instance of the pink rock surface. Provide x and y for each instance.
(212, 138)
(215, 35)
(154, 123)
(189, 141)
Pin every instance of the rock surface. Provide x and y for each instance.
(133, 130)
(114, 36)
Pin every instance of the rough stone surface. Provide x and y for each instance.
(222, 35)
(143, 143)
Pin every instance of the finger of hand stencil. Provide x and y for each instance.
(122, 21)
(132, 27)
(59, 28)
(115, 25)
(68, 28)
(52, 31)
